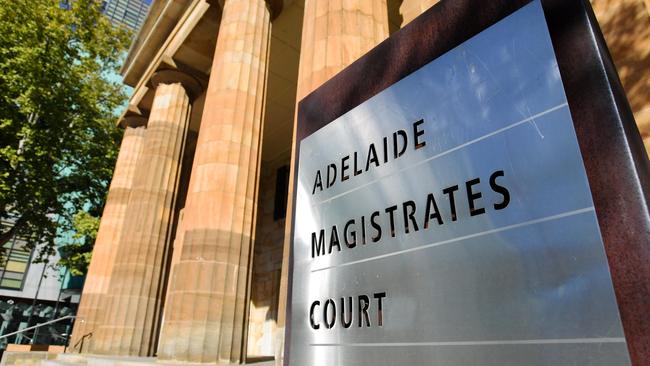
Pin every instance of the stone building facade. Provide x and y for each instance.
(191, 258)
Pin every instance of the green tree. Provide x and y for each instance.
(76, 254)
(58, 141)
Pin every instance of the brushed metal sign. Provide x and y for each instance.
(448, 220)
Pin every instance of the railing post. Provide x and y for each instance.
(35, 335)
(67, 335)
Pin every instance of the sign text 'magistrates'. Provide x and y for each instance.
(351, 232)
(418, 213)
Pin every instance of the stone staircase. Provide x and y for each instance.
(32, 358)
(75, 359)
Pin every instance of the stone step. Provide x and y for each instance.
(25, 358)
(75, 359)
(55, 363)
(72, 359)
(101, 360)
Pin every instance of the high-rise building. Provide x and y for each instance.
(126, 13)
(33, 292)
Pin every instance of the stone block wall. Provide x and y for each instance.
(267, 264)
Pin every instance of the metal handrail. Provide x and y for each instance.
(38, 326)
(80, 344)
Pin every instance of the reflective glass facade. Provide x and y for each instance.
(14, 262)
(126, 13)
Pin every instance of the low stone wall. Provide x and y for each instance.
(26, 358)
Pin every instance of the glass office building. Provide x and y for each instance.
(34, 292)
(14, 262)
(126, 13)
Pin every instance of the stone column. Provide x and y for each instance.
(207, 297)
(626, 27)
(334, 34)
(410, 9)
(91, 309)
(135, 292)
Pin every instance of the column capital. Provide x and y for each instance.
(275, 6)
(190, 83)
(133, 120)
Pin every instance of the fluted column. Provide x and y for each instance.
(93, 298)
(135, 291)
(207, 296)
(334, 35)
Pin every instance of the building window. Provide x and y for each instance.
(14, 264)
(281, 192)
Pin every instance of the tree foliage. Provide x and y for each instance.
(75, 255)
(58, 141)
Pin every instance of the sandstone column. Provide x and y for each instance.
(91, 309)
(626, 27)
(206, 300)
(335, 33)
(411, 9)
(135, 292)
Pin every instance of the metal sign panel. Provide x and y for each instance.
(448, 220)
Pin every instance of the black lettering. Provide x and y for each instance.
(417, 133)
(331, 178)
(376, 226)
(326, 318)
(396, 151)
(364, 303)
(380, 311)
(318, 248)
(409, 215)
(499, 189)
(449, 191)
(356, 171)
(334, 240)
(363, 230)
(372, 157)
(391, 211)
(385, 149)
(350, 243)
(345, 166)
(348, 322)
(318, 183)
(312, 321)
(428, 214)
(473, 196)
